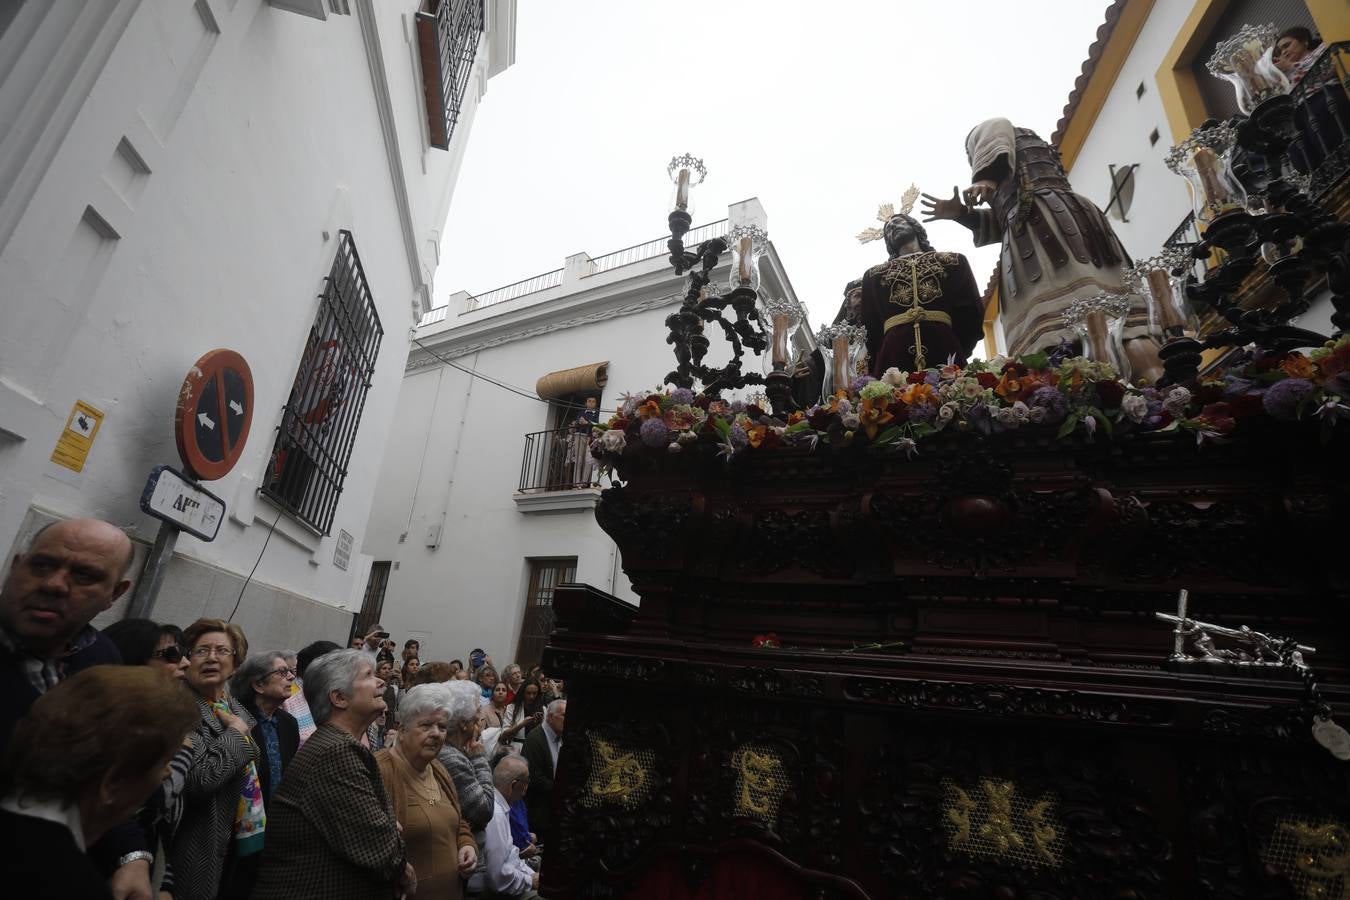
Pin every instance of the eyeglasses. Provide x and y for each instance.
(283, 672)
(170, 654)
(203, 652)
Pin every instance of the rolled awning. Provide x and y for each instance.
(587, 379)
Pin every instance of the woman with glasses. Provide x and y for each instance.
(143, 642)
(214, 853)
(261, 686)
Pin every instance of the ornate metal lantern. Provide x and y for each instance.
(1161, 281)
(782, 317)
(1244, 61)
(747, 245)
(1205, 160)
(686, 173)
(842, 347)
(1100, 321)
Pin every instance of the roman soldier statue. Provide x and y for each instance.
(1057, 245)
(921, 307)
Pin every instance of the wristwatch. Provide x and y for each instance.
(133, 856)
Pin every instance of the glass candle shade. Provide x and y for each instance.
(1245, 61)
(781, 318)
(1205, 160)
(1169, 312)
(747, 244)
(686, 173)
(842, 347)
(1100, 323)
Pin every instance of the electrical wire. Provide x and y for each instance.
(501, 384)
(255, 567)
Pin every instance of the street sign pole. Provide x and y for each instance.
(152, 576)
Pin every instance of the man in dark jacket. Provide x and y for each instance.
(72, 571)
(541, 752)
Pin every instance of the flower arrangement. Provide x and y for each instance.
(895, 413)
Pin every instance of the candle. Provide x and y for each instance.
(746, 259)
(842, 376)
(682, 190)
(780, 340)
(1216, 194)
(1098, 339)
(1160, 286)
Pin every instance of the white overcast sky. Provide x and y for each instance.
(821, 110)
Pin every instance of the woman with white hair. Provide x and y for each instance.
(331, 830)
(465, 758)
(441, 847)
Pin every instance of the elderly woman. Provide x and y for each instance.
(87, 755)
(487, 680)
(262, 685)
(331, 829)
(514, 678)
(143, 642)
(214, 850)
(465, 758)
(440, 844)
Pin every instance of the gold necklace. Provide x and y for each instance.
(425, 783)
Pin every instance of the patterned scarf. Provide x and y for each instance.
(250, 819)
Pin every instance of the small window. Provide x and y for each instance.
(545, 576)
(1139, 91)
(318, 424)
(1153, 137)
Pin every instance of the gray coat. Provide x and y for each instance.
(215, 781)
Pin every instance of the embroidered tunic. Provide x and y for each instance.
(920, 310)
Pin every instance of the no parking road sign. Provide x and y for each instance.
(215, 409)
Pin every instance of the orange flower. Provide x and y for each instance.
(920, 393)
(650, 410)
(873, 416)
(756, 434)
(796, 417)
(1296, 365)
(1009, 385)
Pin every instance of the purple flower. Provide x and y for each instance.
(654, 433)
(923, 412)
(1234, 386)
(1054, 403)
(933, 378)
(1282, 399)
(979, 418)
(861, 382)
(738, 437)
(682, 396)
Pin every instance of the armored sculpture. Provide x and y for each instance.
(921, 307)
(1057, 246)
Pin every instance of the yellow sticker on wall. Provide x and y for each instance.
(72, 448)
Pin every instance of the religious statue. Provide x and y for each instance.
(921, 307)
(1057, 245)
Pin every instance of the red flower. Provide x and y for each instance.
(986, 379)
(702, 402)
(1245, 406)
(1111, 393)
(916, 377)
(820, 419)
(765, 640)
(1269, 362)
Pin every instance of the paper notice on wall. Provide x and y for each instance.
(72, 448)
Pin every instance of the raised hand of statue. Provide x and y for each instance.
(980, 192)
(935, 208)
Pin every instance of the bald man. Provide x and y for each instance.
(72, 571)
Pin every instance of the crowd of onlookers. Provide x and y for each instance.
(151, 762)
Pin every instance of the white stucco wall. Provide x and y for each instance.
(261, 136)
(1120, 136)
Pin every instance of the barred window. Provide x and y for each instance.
(447, 40)
(318, 425)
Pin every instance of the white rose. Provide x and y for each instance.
(1135, 407)
(894, 377)
(613, 441)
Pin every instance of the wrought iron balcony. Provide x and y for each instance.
(557, 460)
(447, 38)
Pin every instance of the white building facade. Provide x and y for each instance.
(483, 504)
(271, 178)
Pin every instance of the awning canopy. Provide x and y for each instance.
(587, 379)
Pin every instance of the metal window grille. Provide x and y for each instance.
(372, 606)
(318, 425)
(557, 460)
(447, 37)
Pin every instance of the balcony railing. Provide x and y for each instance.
(1321, 148)
(558, 460)
(656, 248)
(515, 289)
